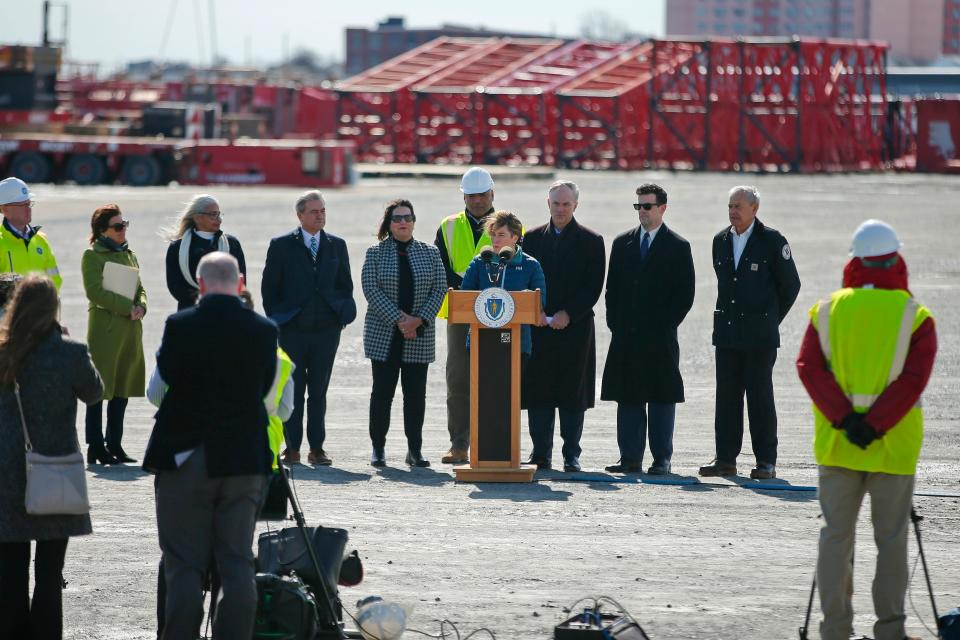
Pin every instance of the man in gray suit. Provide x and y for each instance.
(210, 452)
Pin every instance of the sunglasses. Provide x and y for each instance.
(119, 226)
(402, 217)
(646, 206)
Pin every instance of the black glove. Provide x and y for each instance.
(848, 420)
(861, 433)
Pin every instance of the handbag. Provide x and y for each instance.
(56, 485)
(283, 552)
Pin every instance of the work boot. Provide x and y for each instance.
(718, 468)
(455, 455)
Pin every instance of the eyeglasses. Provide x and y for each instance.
(401, 217)
(119, 226)
(646, 206)
(211, 214)
(29, 204)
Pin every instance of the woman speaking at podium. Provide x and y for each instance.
(505, 265)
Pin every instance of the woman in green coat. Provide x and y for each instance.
(114, 330)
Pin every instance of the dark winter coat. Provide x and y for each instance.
(57, 373)
(646, 302)
(562, 369)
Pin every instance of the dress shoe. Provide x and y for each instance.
(624, 467)
(763, 471)
(416, 460)
(542, 463)
(571, 465)
(659, 469)
(718, 468)
(120, 454)
(291, 457)
(318, 457)
(100, 455)
(455, 456)
(378, 458)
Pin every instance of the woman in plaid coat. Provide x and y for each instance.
(404, 284)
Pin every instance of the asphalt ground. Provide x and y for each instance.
(718, 559)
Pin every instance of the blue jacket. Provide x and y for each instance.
(522, 273)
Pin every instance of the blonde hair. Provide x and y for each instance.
(503, 219)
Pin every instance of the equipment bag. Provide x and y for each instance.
(283, 552)
(286, 610)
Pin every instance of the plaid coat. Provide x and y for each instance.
(380, 279)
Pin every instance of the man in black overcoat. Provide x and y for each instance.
(650, 288)
(560, 376)
(210, 452)
(757, 283)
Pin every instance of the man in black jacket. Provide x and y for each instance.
(757, 283)
(209, 450)
(650, 288)
(307, 290)
(560, 375)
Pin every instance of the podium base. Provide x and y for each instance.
(523, 473)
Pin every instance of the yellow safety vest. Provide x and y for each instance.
(461, 249)
(865, 337)
(25, 258)
(275, 426)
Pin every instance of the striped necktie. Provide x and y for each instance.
(313, 247)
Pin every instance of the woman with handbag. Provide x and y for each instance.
(404, 284)
(114, 330)
(42, 374)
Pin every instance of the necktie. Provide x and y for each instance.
(644, 245)
(313, 247)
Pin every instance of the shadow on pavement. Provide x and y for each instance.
(326, 475)
(518, 492)
(423, 477)
(117, 472)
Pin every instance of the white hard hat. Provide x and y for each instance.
(14, 190)
(874, 238)
(476, 180)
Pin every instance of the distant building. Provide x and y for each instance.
(918, 32)
(369, 47)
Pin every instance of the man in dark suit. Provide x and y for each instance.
(757, 283)
(209, 450)
(307, 290)
(650, 288)
(559, 378)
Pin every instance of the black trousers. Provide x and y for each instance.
(750, 372)
(42, 617)
(313, 352)
(413, 381)
(116, 408)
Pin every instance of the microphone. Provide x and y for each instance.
(487, 254)
(506, 254)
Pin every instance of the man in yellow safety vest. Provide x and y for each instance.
(23, 248)
(460, 238)
(865, 359)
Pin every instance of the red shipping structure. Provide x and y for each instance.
(938, 134)
(375, 109)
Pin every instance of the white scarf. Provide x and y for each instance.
(223, 245)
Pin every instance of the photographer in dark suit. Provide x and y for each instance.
(650, 288)
(307, 290)
(209, 450)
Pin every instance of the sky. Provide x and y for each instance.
(113, 32)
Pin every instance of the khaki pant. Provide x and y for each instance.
(841, 494)
(458, 386)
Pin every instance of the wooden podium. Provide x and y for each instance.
(494, 386)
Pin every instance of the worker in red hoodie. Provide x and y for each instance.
(865, 359)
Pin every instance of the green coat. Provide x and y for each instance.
(115, 341)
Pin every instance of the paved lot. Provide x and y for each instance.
(711, 560)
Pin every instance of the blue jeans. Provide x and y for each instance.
(542, 422)
(633, 426)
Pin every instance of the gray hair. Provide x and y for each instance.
(307, 197)
(185, 222)
(751, 193)
(574, 189)
(219, 271)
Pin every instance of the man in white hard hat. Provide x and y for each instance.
(865, 359)
(23, 248)
(460, 238)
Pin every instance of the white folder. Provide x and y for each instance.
(121, 279)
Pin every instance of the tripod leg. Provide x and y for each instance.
(805, 629)
(916, 518)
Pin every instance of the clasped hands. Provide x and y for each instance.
(858, 430)
(408, 325)
(137, 313)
